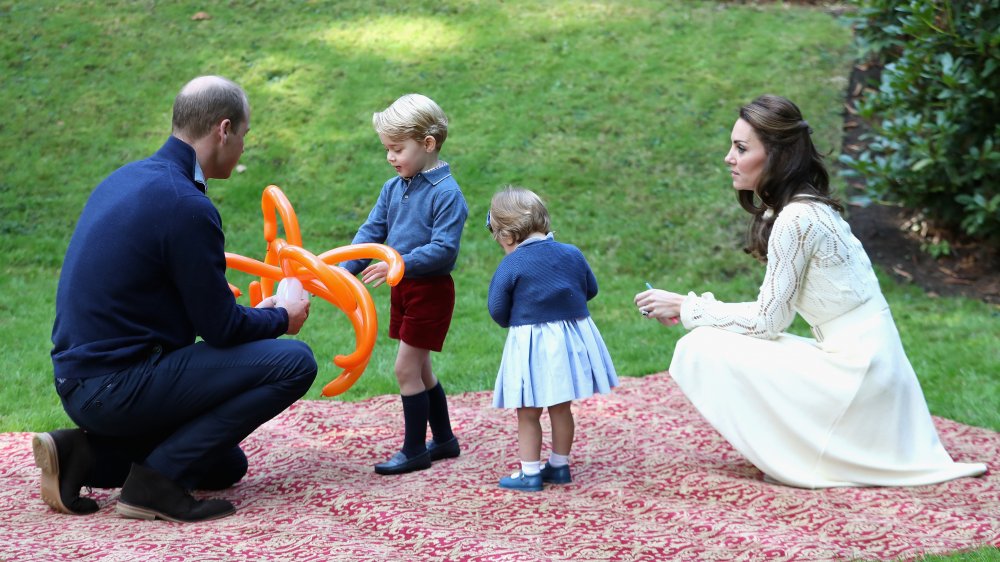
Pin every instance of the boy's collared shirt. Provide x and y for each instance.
(422, 219)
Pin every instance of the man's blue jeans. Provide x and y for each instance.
(183, 414)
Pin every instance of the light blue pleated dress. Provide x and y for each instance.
(553, 362)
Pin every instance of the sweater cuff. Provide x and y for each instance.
(284, 314)
(693, 309)
(688, 306)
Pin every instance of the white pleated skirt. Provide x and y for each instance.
(843, 410)
(551, 363)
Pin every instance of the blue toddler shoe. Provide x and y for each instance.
(522, 482)
(556, 474)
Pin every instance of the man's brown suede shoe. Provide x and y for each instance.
(65, 458)
(147, 494)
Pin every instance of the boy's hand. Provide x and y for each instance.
(375, 274)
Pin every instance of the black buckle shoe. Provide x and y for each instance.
(399, 464)
(65, 458)
(147, 494)
(447, 450)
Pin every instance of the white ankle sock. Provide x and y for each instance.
(531, 468)
(555, 461)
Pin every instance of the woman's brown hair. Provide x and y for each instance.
(793, 167)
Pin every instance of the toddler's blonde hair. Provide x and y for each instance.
(413, 116)
(517, 212)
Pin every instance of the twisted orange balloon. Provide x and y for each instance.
(320, 276)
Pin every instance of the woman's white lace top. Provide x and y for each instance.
(815, 267)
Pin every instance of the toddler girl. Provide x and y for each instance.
(554, 353)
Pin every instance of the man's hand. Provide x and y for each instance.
(269, 302)
(298, 311)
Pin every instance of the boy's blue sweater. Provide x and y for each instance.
(541, 281)
(421, 219)
(145, 269)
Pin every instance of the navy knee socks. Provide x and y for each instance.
(415, 409)
(437, 414)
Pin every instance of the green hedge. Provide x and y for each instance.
(935, 116)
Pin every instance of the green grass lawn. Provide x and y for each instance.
(617, 113)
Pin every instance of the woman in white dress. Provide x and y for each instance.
(843, 408)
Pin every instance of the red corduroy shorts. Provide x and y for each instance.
(421, 310)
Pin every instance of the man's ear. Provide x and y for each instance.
(430, 144)
(224, 129)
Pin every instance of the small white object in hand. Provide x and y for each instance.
(290, 289)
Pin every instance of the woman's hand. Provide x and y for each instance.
(663, 306)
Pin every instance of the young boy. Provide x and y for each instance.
(421, 214)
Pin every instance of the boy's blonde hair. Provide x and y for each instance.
(413, 116)
(517, 212)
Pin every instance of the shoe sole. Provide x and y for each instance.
(539, 489)
(47, 458)
(443, 456)
(394, 471)
(136, 512)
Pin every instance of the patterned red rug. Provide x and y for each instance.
(652, 482)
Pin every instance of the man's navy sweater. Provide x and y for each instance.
(145, 269)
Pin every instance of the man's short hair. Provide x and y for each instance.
(413, 116)
(205, 101)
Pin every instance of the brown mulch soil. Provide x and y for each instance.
(895, 236)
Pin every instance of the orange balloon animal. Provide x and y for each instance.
(320, 276)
